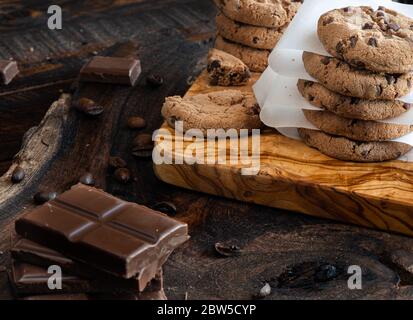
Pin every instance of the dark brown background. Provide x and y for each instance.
(173, 37)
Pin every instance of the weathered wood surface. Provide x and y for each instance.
(279, 247)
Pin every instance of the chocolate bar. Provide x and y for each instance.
(111, 70)
(115, 236)
(8, 70)
(28, 279)
(28, 251)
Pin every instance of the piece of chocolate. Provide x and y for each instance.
(30, 279)
(111, 70)
(8, 70)
(112, 235)
(28, 251)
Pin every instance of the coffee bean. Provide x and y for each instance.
(372, 42)
(142, 145)
(326, 272)
(87, 179)
(88, 107)
(165, 207)
(117, 162)
(18, 175)
(154, 80)
(43, 197)
(136, 123)
(122, 175)
(227, 250)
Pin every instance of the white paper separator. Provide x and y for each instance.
(301, 35)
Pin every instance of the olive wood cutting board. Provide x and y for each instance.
(295, 177)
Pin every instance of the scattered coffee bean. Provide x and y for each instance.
(122, 175)
(142, 146)
(88, 107)
(165, 207)
(18, 175)
(227, 250)
(154, 80)
(136, 123)
(264, 292)
(43, 197)
(117, 162)
(87, 179)
(325, 273)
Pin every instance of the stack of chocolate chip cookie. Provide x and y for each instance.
(360, 85)
(250, 29)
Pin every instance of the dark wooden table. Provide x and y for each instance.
(285, 249)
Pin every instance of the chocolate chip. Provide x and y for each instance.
(255, 40)
(328, 21)
(390, 79)
(381, 8)
(380, 14)
(88, 107)
(165, 207)
(394, 26)
(136, 123)
(311, 98)
(43, 197)
(340, 48)
(372, 42)
(117, 162)
(407, 106)
(379, 90)
(227, 250)
(325, 60)
(353, 41)
(346, 9)
(409, 83)
(87, 179)
(154, 80)
(122, 175)
(215, 64)
(367, 25)
(18, 175)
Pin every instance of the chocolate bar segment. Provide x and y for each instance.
(30, 252)
(111, 235)
(29, 279)
(111, 70)
(8, 70)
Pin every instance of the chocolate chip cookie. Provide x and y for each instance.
(340, 77)
(228, 109)
(251, 36)
(262, 13)
(347, 107)
(348, 150)
(378, 40)
(359, 130)
(226, 70)
(255, 59)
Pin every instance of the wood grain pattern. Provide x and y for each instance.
(298, 178)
